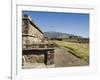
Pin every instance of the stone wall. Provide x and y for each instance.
(33, 38)
(25, 26)
(33, 58)
(30, 32)
(38, 36)
(39, 56)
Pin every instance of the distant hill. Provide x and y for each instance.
(64, 36)
(53, 34)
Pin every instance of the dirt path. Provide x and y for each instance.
(64, 59)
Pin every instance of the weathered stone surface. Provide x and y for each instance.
(34, 58)
(30, 32)
(39, 56)
(50, 57)
(33, 37)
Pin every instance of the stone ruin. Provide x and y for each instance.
(35, 46)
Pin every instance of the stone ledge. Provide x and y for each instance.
(36, 65)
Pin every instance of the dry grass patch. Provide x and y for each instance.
(80, 50)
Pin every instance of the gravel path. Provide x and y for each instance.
(64, 59)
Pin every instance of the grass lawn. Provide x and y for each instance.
(80, 50)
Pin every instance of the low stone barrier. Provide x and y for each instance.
(38, 55)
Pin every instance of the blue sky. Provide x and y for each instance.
(72, 23)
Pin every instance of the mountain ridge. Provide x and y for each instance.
(54, 34)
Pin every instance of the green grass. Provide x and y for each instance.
(81, 50)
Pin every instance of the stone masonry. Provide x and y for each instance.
(35, 48)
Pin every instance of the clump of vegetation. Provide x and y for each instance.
(81, 50)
